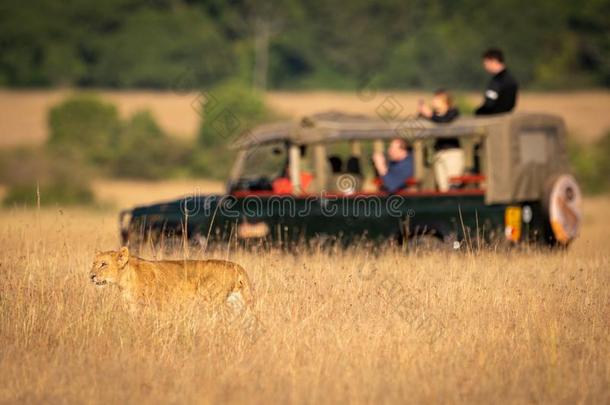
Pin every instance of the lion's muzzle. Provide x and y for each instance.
(96, 281)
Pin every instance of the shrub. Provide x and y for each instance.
(602, 150)
(144, 151)
(463, 104)
(58, 178)
(88, 129)
(213, 162)
(59, 193)
(590, 164)
(85, 125)
(229, 110)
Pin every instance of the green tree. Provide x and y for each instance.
(157, 48)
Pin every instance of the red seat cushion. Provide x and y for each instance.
(282, 185)
(467, 179)
(411, 181)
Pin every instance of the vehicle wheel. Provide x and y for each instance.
(563, 205)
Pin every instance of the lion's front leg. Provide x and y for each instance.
(131, 302)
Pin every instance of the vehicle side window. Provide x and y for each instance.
(265, 161)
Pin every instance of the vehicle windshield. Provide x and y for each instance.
(265, 161)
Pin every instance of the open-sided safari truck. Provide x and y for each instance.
(313, 179)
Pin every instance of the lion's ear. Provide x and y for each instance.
(123, 257)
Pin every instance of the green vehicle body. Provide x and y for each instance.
(469, 215)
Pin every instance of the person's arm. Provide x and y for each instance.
(424, 111)
(491, 98)
(380, 164)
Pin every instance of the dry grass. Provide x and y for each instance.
(24, 113)
(333, 326)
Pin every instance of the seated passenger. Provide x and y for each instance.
(395, 174)
(448, 157)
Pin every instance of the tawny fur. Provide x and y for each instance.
(143, 280)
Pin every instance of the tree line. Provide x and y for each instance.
(294, 44)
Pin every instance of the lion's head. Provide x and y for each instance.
(107, 266)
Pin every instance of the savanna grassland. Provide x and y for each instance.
(327, 327)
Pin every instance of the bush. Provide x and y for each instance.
(144, 151)
(87, 126)
(60, 193)
(463, 104)
(590, 164)
(229, 110)
(602, 149)
(213, 162)
(58, 178)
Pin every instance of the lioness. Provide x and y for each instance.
(216, 281)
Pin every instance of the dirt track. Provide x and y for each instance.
(23, 114)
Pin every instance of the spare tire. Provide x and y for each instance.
(563, 203)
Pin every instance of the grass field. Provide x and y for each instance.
(328, 327)
(23, 118)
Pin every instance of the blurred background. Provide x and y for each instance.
(99, 99)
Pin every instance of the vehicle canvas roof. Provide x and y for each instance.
(335, 126)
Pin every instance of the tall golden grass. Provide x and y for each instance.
(328, 326)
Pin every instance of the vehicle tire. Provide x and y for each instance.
(563, 206)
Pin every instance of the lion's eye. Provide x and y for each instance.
(103, 264)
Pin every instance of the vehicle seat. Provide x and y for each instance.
(412, 184)
(353, 169)
(353, 166)
(336, 164)
(471, 181)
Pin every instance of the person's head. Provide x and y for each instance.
(442, 101)
(493, 60)
(398, 149)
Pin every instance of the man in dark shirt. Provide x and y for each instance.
(501, 94)
(395, 174)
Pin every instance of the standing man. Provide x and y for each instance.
(501, 94)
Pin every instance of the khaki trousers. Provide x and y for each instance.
(448, 163)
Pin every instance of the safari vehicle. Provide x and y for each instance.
(283, 188)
